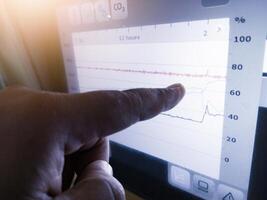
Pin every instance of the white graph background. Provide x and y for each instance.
(190, 135)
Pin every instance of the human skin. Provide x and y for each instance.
(40, 132)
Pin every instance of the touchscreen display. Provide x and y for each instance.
(194, 53)
(208, 139)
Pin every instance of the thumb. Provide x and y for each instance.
(95, 183)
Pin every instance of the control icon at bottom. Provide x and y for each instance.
(229, 193)
(229, 196)
(203, 186)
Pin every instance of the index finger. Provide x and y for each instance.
(107, 112)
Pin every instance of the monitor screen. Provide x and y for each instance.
(212, 51)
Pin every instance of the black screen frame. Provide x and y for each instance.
(147, 176)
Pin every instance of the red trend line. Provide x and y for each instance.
(206, 75)
(206, 112)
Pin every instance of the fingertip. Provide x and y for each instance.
(179, 88)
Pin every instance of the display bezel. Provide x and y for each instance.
(147, 178)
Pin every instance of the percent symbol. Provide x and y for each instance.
(240, 20)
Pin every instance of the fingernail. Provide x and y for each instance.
(178, 87)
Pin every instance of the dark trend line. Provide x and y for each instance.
(207, 112)
(206, 75)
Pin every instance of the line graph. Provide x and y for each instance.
(190, 91)
(156, 60)
(206, 75)
(207, 112)
(205, 108)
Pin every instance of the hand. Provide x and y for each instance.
(42, 131)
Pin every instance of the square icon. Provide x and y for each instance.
(74, 15)
(203, 186)
(179, 177)
(87, 13)
(119, 9)
(102, 11)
